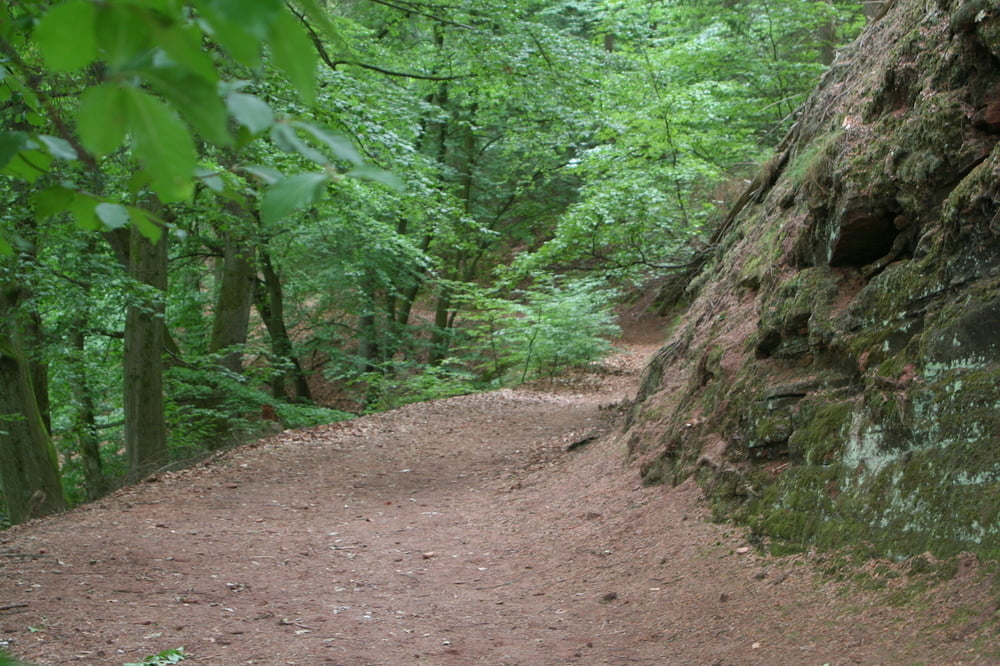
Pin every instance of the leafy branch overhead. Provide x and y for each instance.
(164, 83)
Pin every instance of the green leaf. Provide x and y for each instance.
(114, 216)
(147, 225)
(137, 181)
(164, 658)
(295, 55)
(5, 248)
(11, 144)
(211, 178)
(339, 145)
(66, 36)
(60, 148)
(250, 111)
(254, 16)
(182, 43)
(162, 145)
(377, 175)
(122, 34)
(102, 119)
(28, 96)
(291, 194)
(239, 26)
(286, 139)
(52, 201)
(319, 17)
(83, 209)
(29, 165)
(197, 99)
(242, 46)
(266, 175)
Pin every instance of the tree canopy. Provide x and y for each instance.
(221, 214)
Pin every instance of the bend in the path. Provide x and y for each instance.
(455, 532)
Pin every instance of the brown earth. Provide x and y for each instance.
(461, 532)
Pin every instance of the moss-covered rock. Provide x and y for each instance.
(843, 343)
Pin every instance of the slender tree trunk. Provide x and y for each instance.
(827, 39)
(95, 481)
(145, 428)
(29, 467)
(443, 315)
(237, 289)
(271, 306)
(440, 337)
(370, 348)
(85, 419)
(403, 304)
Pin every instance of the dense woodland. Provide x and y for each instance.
(221, 213)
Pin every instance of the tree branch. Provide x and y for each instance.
(324, 55)
(89, 161)
(389, 72)
(411, 8)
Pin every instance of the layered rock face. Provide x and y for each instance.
(833, 375)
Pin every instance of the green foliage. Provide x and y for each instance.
(7, 660)
(159, 92)
(399, 384)
(294, 416)
(290, 194)
(695, 95)
(551, 328)
(164, 658)
(208, 403)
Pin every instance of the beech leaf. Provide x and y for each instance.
(290, 194)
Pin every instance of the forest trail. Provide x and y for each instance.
(459, 532)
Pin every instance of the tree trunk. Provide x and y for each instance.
(443, 316)
(34, 338)
(236, 295)
(145, 428)
(369, 333)
(271, 306)
(827, 40)
(29, 467)
(440, 337)
(85, 420)
(120, 242)
(96, 483)
(237, 285)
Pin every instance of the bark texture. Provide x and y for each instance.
(29, 468)
(145, 428)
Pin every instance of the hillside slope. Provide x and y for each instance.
(832, 373)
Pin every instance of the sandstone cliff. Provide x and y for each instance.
(832, 372)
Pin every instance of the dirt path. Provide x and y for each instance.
(456, 532)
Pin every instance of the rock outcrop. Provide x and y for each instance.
(834, 373)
